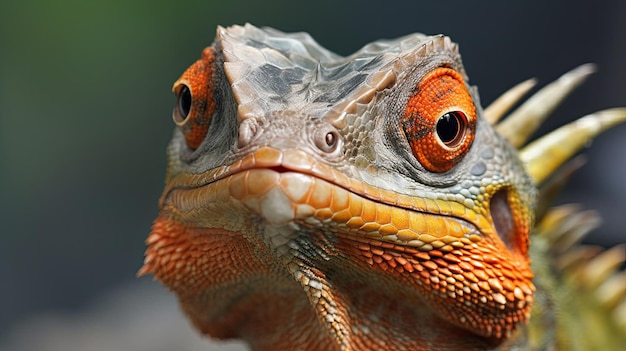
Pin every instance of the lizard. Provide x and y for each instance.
(369, 202)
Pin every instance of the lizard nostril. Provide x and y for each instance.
(327, 140)
(248, 129)
(331, 139)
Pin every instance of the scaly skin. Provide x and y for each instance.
(315, 202)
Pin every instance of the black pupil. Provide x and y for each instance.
(184, 101)
(330, 139)
(449, 127)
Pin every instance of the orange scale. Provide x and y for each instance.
(409, 267)
(248, 163)
(383, 214)
(484, 285)
(400, 218)
(355, 205)
(387, 245)
(363, 247)
(321, 196)
(509, 296)
(323, 214)
(268, 157)
(387, 229)
(340, 200)
(368, 212)
(454, 268)
(388, 257)
(262, 181)
(481, 275)
(451, 258)
(401, 260)
(430, 265)
(342, 216)
(445, 272)
(438, 244)
(367, 254)
(424, 256)
(377, 251)
(369, 227)
(508, 285)
(355, 222)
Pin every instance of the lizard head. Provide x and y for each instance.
(360, 200)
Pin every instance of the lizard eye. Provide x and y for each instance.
(440, 120)
(195, 104)
(451, 128)
(184, 103)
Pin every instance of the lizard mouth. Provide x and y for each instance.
(435, 245)
(287, 185)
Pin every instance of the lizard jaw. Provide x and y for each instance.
(411, 241)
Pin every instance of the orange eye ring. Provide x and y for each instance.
(195, 104)
(439, 121)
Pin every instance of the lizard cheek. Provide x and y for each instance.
(440, 120)
(195, 102)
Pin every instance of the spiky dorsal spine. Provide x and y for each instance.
(582, 300)
(581, 290)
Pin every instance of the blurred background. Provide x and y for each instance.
(85, 115)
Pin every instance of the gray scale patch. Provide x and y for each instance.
(336, 93)
(466, 193)
(293, 75)
(474, 191)
(272, 78)
(479, 168)
(487, 153)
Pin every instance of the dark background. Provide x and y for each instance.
(85, 115)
